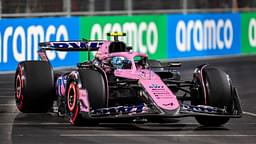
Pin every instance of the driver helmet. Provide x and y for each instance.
(119, 62)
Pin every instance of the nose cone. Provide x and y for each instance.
(162, 96)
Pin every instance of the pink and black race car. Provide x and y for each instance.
(121, 84)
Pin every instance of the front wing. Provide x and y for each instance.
(151, 110)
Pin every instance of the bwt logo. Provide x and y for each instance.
(70, 45)
(22, 43)
(204, 35)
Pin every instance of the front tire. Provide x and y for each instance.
(95, 85)
(215, 90)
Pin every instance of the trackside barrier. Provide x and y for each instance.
(248, 29)
(160, 36)
(198, 35)
(19, 40)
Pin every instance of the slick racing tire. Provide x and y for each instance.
(218, 93)
(95, 85)
(34, 86)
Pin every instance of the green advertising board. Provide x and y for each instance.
(248, 31)
(145, 34)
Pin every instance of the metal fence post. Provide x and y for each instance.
(129, 7)
(184, 6)
(234, 5)
(91, 7)
(107, 5)
(0, 9)
(67, 7)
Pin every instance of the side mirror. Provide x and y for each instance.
(174, 64)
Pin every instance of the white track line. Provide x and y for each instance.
(153, 135)
(6, 96)
(25, 124)
(249, 113)
(10, 104)
(6, 82)
(7, 72)
(9, 89)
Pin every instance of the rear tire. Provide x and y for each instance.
(218, 94)
(34, 86)
(73, 103)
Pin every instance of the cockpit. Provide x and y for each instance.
(120, 62)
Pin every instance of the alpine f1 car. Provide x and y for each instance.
(121, 84)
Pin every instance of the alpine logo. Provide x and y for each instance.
(156, 86)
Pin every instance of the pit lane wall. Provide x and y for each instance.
(160, 36)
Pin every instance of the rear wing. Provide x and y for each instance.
(72, 45)
(93, 45)
(83, 45)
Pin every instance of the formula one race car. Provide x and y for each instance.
(121, 84)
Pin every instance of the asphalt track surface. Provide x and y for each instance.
(19, 128)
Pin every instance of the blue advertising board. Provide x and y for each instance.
(19, 40)
(195, 35)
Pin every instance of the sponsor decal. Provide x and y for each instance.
(146, 34)
(251, 32)
(203, 35)
(134, 32)
(121, 110)
(248, 30)
(19, 39)
(156, 86)
(70, 45)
